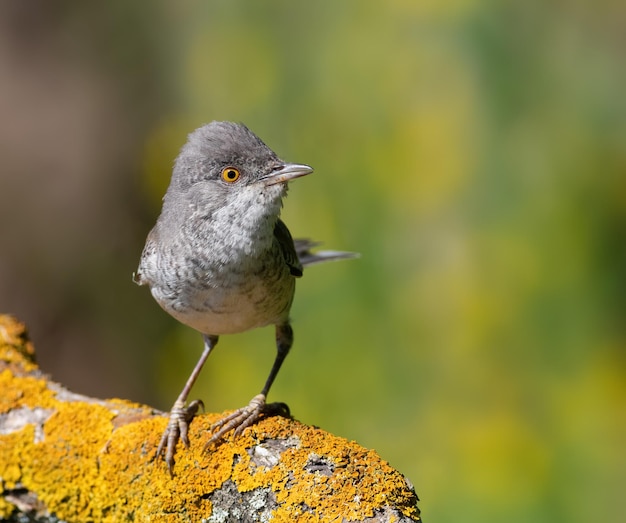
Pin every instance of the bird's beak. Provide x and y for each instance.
(286, 173)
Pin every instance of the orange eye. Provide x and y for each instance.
(230, 175)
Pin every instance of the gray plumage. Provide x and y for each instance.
(219, 259)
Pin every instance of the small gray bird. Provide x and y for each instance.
(221, 261)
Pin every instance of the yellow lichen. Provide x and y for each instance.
(15, 347)
(95, 461)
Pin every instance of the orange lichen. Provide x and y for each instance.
(15, 347)
(92, 460)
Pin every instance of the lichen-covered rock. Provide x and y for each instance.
(68, 457)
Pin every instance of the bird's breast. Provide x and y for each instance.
(225, 274)
(218, 297)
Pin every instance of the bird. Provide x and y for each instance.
(221, 261)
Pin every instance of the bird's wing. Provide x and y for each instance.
(282, 234)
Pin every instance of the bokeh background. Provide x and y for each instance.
(473, 151)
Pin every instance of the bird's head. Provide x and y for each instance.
(224, 164)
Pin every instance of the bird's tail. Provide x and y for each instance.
(306, 257)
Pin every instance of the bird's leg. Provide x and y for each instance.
(181, 415)
(246, 416)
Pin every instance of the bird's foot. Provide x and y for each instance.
(177, 428)
(240, 419)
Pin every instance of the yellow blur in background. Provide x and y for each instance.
(474, 152)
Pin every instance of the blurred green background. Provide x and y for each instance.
(474, 152)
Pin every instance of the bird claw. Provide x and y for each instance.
(177, 429)
(238, 420)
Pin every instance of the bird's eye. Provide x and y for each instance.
(230, 175)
